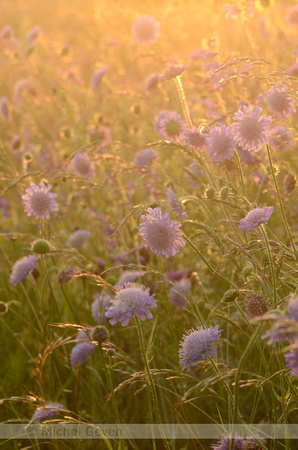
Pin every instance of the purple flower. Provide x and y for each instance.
(293, 307)
(178, 292)
(160, 234)
(194, 138)
(292, 360)
(99, 306)
(131, 300)
(280, 102)
(175, 204)
(284, 331)
(22, 268)
(82, 165)
(33, 34)
(220, 144)
(78, 239)
(198, 344)
(46, 412)
(255, 304)
(173, 70)
(169, 125)
(39, 202)
(66, 275)
(4, 111)
(80, 352)
(145, 30)
(151, 83)
(129, 277)
(281, 138)
(225, 441)
(145, 157)
(100, 135)
(96, 78)
(255, 217)
(251, 130)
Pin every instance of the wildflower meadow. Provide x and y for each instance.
(149, 224)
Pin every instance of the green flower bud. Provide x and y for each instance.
(41, 246)
(224, 192)
(230, 296)
(100, 334)
(210, 193)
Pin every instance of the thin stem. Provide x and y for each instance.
(271, 264)
(183, 101)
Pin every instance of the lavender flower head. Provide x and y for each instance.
(173, 70)
(129, 277)
(66, 275)
(280, 102)
(293, 307)
(255, 217)
(46, 412)
(145, 157)
(81, 351)
(82, 165)
(145, 30)
(256, 305)
(151, 83)
(194, 138)
(131, 300)
(169, 125)
(220, 143)
(281, 138)
(251, 129)
(96, 78)
(39, 202)
(175, 204)
(22, 268)
(198, 344)
(160, 234)
(178, 292)
(225, 441)
(78, 239)
(99, 306)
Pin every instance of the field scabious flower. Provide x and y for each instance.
(96, 78)
(251, 129)
(46, 412)
(81, 351)
(169, 125)
(145, 157)
(281, 138)
(22, 268)
(225, 441)
(220, 144)
(255, 304)
(66, 275)
(145, 30)
(198, 344)
(175, 204)
(99, 306)
(178, 292)
(194, 138)
(131, 300)
(280, 102)
(292, 360)
(173, 70)
(160, 234)
(82, 165)
(255, 217)
(130, 276)
(151, 83)
(78, 239)
(39, 202)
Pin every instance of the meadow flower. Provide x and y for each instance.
(220, 144)
(281, 138)
(100, 135)
(151, 83)
(129, 277)
(6, 32)
(145, 30)
(178, 292)
(131, 300)
(96, 78)
(255, 304)
(169, 125)
(39, 202)
(80, 353)
(225, 441)
(46, 411)
(293, 307)
(66, 275)
(100, 334)
(255, 217)
(285, 329)
(292, 360)
(33, 33)
(175, 204)
(78, 239)
(22, 268)
(101, 303)
(173, 70)
(160, 234)
(280, 102)
(251, 130)
(194, 138)
(82, 165)
(289, 183)
(231, 11)
(145, 157)
(4, 111)
(198, 344)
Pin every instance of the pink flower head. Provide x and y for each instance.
(160, 234)
(251, 130)
(145, 30)
(255, 217)
(39, 202)
(96, 78)
(82, 165)
(194, 138)
(151, 83)
(22, 268)
(281, 138)
(145, 157)
(280, 102)
(169, 125)
(220, 144)
(173, 70)
(175, 203)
